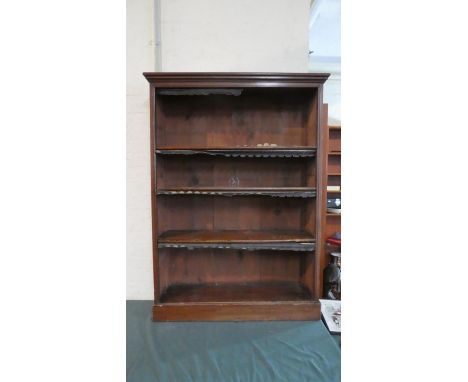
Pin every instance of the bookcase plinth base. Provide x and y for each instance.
(238, 311)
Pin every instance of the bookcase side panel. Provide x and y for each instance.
(321, 199)
(154, 198)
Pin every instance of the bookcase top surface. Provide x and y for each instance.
(207, 79)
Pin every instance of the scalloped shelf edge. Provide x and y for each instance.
(243, 246)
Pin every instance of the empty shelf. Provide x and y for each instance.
(242, 292)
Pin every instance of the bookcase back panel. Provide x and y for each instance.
(334, 180)
(179, 266)
(210, 171)
(334, 164)
(333, 225)
(237, 292)
(334, 141)
(184, 212)
(257, 116)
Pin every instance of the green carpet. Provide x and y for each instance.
(228, 351)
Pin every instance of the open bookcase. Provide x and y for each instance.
(238, 191)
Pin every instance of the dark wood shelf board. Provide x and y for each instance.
(329, 214)
(243, 152)
(292, 192)
(334, 127)
(285, 240)
(334, 174)
(334, 153)
(238, 292)
(304, 247)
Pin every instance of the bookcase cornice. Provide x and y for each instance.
(220, 79)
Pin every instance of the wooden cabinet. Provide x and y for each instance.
(238, 190)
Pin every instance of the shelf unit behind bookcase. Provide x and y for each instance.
(333, 176)
(333, 221)
(238, 195)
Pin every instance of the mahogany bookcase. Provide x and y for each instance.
(238, 195)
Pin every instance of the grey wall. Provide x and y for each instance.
(202, 35)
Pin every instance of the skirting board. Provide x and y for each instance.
(238, 311)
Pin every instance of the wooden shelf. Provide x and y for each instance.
(292, 192)
(287, 240)
(334, 153)
(238, 292)
(243, 152)
(334, 174)
(334, 127)
(329, 214)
